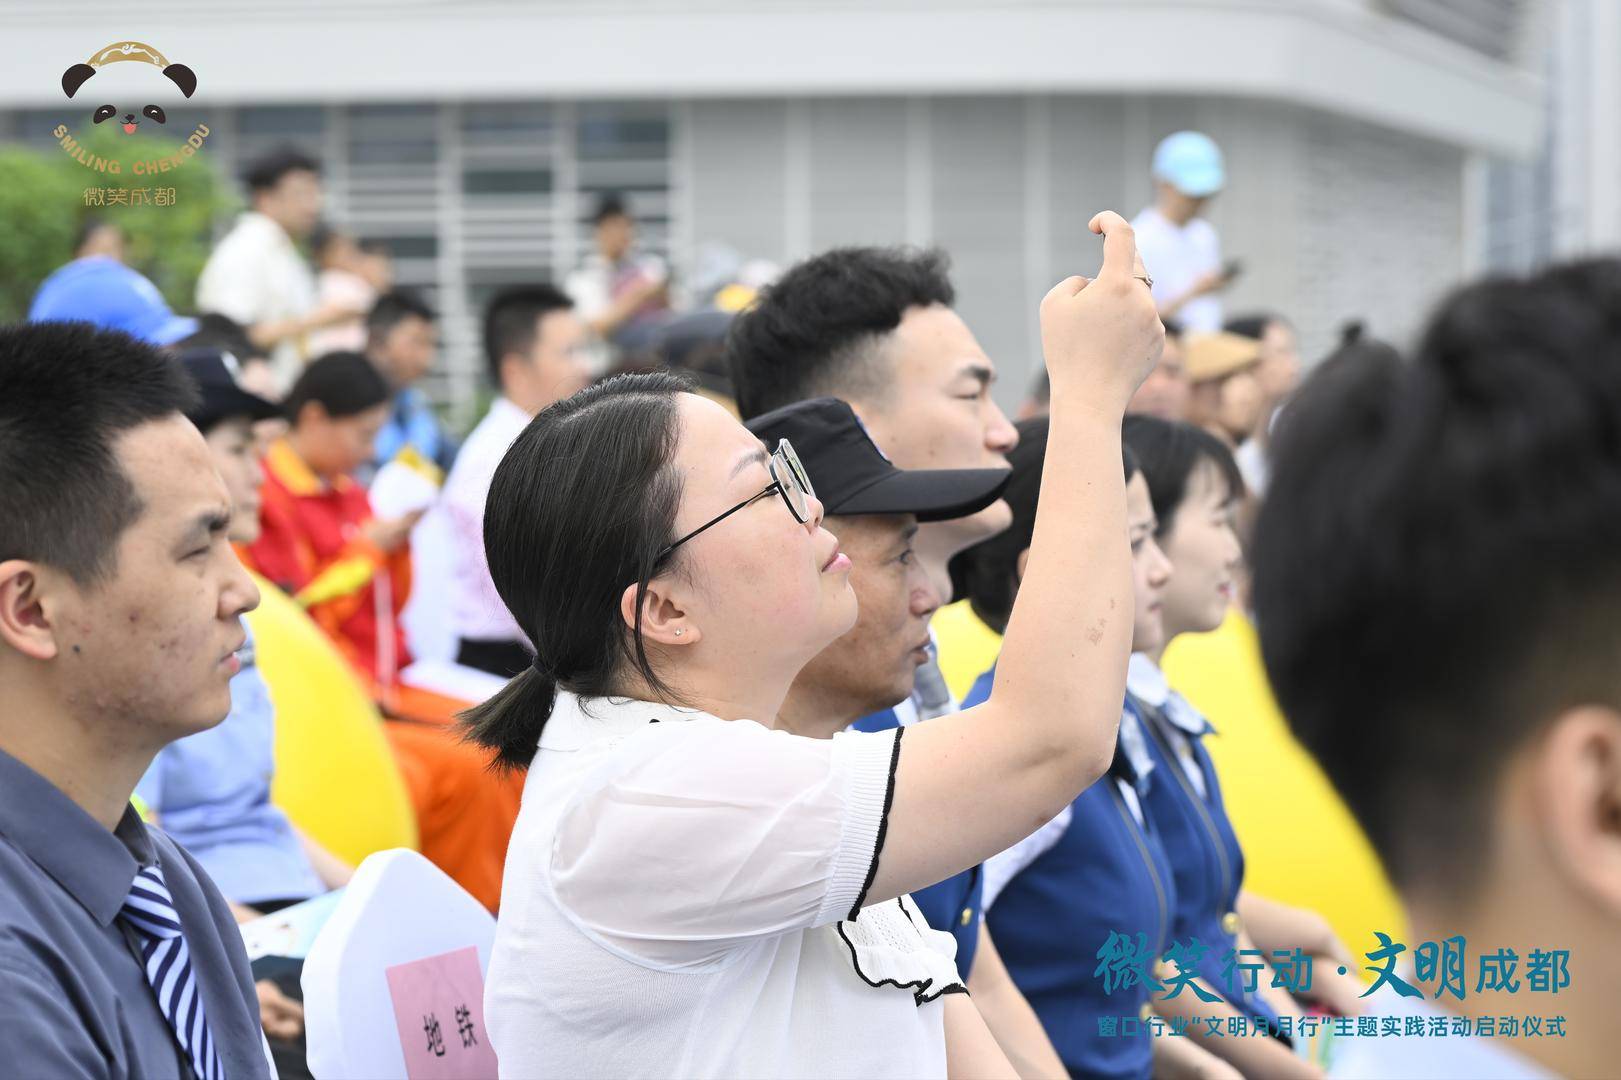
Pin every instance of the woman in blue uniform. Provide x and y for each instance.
(1082, 910)
(1195, 486)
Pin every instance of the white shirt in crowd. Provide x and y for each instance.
(591, 287)
(1176, 256)
(678, 901)
(476, 610)
(256, 275)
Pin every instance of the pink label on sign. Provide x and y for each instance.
(439, 1006)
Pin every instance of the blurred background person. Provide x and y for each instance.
(402, 341)
(1278, 374)
(622, 294)
(1180, 248)
(1436, 586)
(533, 349)
(351, 571)
(1166, 390)
(1224, 394)
(96, 287)
(319, 540)
(347, 277)
(257, 275)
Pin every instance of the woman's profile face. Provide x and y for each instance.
(1203, 547)
(763, 588)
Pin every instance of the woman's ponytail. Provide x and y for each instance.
(582, 506)
(510, 723)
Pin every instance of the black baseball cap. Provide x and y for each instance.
(218, 377)
(852, 476)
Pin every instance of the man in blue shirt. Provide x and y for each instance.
(120, 619)
(402, 339)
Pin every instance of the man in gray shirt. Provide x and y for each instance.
(120, 613)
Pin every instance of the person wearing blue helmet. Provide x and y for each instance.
(96, 287)
(1181, 249)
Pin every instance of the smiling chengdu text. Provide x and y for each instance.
(147, 166)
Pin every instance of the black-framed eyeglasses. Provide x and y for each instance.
(788, 479)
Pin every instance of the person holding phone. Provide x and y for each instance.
(1180, 248)
(692, 892)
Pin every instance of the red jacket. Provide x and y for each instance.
(311, 545)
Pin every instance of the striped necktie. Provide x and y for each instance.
(150, 910)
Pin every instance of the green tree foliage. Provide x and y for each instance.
(43, 203)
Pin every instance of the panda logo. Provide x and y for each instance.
(130, 86)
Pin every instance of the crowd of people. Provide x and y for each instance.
(795, 711)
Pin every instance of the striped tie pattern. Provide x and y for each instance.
(150, 910)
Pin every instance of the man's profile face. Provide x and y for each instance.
(1165, 392)
(874, 662)
(407, 350)
(615, 234)
(295, 202)
(939, 413)
(556, 359)
(149, 649)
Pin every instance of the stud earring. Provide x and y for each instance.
(678, 633)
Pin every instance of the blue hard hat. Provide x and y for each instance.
(101, 290)
(1190, 161)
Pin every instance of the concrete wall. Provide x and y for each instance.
(1333, 218)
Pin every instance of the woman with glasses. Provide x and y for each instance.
(691, 893)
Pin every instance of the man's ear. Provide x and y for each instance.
(75, 77)
(182, 76)
(1578, 773)
(24, 623)
(664, 621)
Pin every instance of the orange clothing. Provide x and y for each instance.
(311, 544)
(464, 811)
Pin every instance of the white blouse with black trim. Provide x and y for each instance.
(684, 896)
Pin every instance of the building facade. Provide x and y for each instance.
(474, 137)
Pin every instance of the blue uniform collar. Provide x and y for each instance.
(1147, 683)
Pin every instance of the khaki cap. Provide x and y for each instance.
(1216, 355)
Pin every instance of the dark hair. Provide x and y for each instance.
(67, 391)
(1253, 324)
(265, 172)
(393, 308)
(813, 333)
(610, 205)
(512, 319)
(988, 573)
(1436, 561)
(221, 332)
(1169, 453)
(588, 487)
(343, 383)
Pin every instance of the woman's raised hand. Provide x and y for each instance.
(1102, 336)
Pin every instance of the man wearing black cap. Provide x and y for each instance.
(874, 509)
